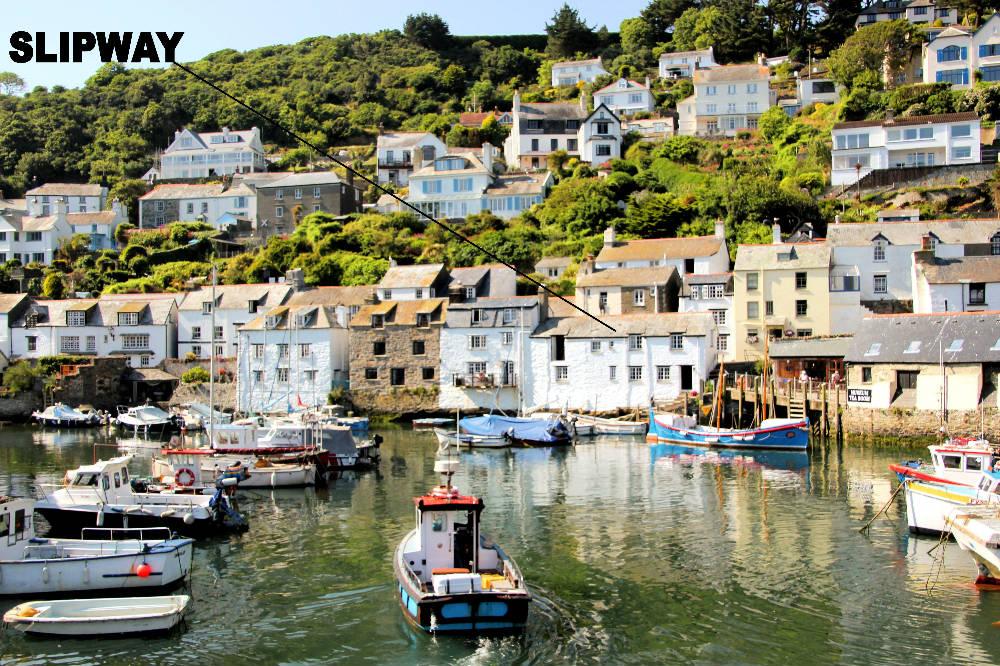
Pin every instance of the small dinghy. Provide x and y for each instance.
(430, 423)
(551, 431)
(64, 416)
(450, 577)
(98, 617)
(448, 438)
(148, 420)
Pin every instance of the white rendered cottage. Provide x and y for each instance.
(712, 293)
(399, 153)
(542, 128)
(695, 255)
(626, 97)
(234, 306)
(955, 284)
(79, 198)
(210, 154)
(572, 72)
(33, 239)
(684, 63)
(214, 203)
(726, 100)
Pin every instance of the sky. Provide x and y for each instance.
(247, 24)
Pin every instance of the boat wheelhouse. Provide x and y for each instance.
(450, 577)
(957, 461)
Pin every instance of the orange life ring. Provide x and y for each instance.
(184, 476)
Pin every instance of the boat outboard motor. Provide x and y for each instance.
(223, 506)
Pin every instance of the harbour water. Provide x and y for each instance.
(635, 553)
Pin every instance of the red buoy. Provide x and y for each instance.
(143, 570)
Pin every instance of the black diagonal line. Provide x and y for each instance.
(383, 190)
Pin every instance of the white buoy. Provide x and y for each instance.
(189, 519)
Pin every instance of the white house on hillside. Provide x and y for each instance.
(208, 154)
(958, 52)
(413, 283)
(684, 63)
(882, 253)
(542, 128)
(712, 293)
(571, 72)
(466, 182)
(399, 153)
(860, 147)
(80, 198)
(626, 97)
(698, 255)
(234, 306)
(918, 12)
(484, 347)
(33, 239)
(577, 363)
(726, 99)
(142, 327)
(955, 284)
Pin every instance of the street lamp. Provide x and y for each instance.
(858, 168)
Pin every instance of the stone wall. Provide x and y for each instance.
(98, 383)
(396, 400)
(902, 423)
(366, 393)
(19, 407)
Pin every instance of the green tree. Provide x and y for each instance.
(128, 191)
(428, 30)
(773, 123)
(19, 377)
(11, 83)
(661, 15)
(568, 34)
(54, 285)
(886, 43)
(657, 215)
(637, 39)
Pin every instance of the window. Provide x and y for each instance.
(768, 308)
(751, 281)
(474, 368)
(731, 89)
(427, 374)
(722, 342)
(639, 298)
(553, 144)
(34, 236)
(866, 374)
(801, 308)
(279, 194)
(478, 316)
(218, 333)
(634, 342)
(906, 379)
(562, 373)
(258, 350)
(418, 347)
(676, 341)
(956, 77)
(378, 348)
(751, 88)
(613, 373)
(635, 373)
(279, 211)
(880, 284)
(282, 375)
(506, 338)
(462, 184)
(995, 245)
(92, 343)
(879, 250)
(69, 343)
(76, 318)
(371, 373)
(961, 152)
(298, 192)
(711, 108)
(316, 193)
(800, 280)
(663, 373)
(128, 318)
(206, 307)
(508, 316)
(378, 321)
(397, 376)
(962, 130)
(282, 350)
(196, 350)
(852, 141)
(711, 90)
(470, 293)
(977, 293)
(956, 345)
(534, 145)
(196, 332)
(571, 145)
(874, 349)
(310, 375)
(477, 342)
(305, 350)
(145, 361)
(913, 347)
(423, 320)
(719, 317)
(32, 343)
(753, 310)
(140, 341)
(751, 107)
(952, 53)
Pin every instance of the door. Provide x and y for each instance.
(602, 301)
(906, 379)
(463, 542)
(686, 378)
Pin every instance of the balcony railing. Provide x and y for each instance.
(484, 380)
(394, 163)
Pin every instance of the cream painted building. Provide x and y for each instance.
(786, 290)
(725, 100)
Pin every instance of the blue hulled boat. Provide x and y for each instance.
(783, 434)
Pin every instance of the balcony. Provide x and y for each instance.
(483, 380)
(395, 163)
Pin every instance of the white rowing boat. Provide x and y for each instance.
(97, 617)
(450, 438)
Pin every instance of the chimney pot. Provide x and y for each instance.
(609, 236)
(720, 229)
(776, 233)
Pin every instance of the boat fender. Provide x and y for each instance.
(86, 573)
(45, 574)
(100, 515)
(184, 476)
(189, 519)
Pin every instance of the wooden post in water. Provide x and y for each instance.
(824, 424)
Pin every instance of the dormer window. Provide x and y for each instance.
(31, 319)
(378, 321)
(206, 307)
(272, 321)
(128, 318)
(423, 320)
(303, 320)
(878, 250)
(251, 306)
(387, 294)
(76, 318)
(470, 293)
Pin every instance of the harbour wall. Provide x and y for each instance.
(902, 423)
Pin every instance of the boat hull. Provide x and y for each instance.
(928, 504)
(100, 617)
(792, 436)
(170, 563)
(987, 558)
(536, 443)
(68, 522)
(446, 438)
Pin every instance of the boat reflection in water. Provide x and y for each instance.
(752, 458)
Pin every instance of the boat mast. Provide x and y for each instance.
(211, 370)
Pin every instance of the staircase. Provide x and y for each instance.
(796, 408)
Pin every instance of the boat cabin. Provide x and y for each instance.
(951, 458)
(16, 527)
(990, 482)
(108, 480)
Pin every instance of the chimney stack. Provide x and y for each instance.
(488, 157)
(925, 243)
(836, 218)
(517, 101)
(225, 134)
(583, 103)
(586, 266)
(60, 207)
(609, 236)
(116, 208)
(720, 229)
(890, 116)
(776, 234)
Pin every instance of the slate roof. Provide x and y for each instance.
(654, 249)
(10, 301)
(66, 190)
(236, 296)
(554, 262)
(333, 296)
(629, 85)
(725, 279)
(318, 317)
(102, 217)
(910, 120)
(803, 255)
(303, 180)
(401, 139)
(821, 347)
(460, 314)
(566, 63)
(192, 191)
(955, 270)
(950, 232)
(522, 183)
(155, 309)
(696, 52)
(417, 275)
(45, 223)
(652, 325)
(473, 164)
(553, 111)
(748, 72)
(402, 313)
(627, 277)
(886, 338)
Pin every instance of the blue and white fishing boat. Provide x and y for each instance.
(551, 431)
(782, 434)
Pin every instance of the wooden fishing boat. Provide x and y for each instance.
(98, 617)
(200, 468)
(781, 434)
(605, 426)
(104, 560)
(452, 579)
